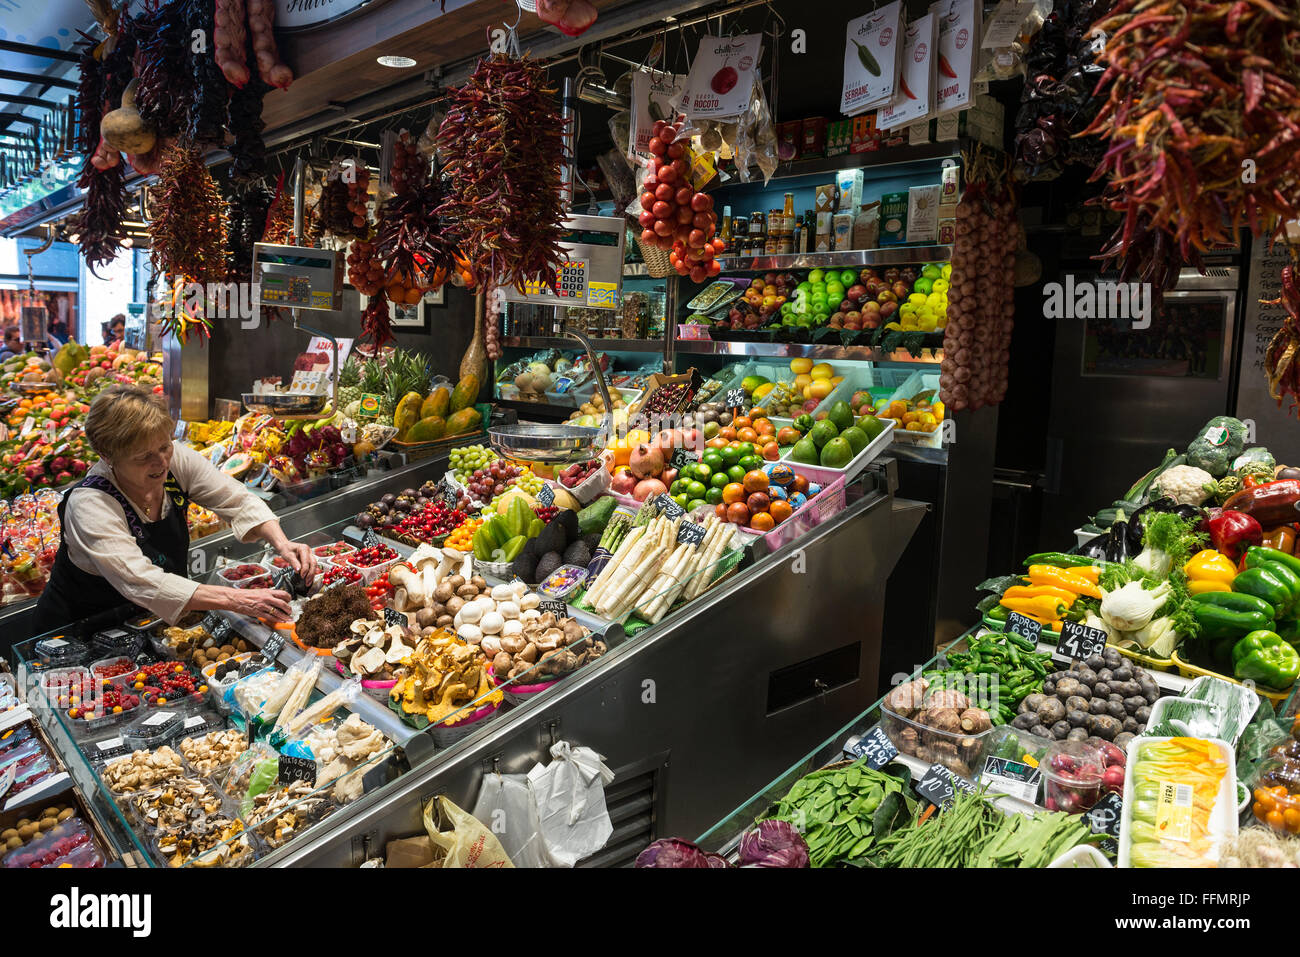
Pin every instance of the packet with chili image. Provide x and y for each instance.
(872, 59)
(721, 77)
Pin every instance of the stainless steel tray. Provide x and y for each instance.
(534, 442)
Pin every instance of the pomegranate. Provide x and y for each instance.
(623, 482)
(646, 460)
(648, 488)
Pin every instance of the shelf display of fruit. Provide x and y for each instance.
(832, 437)
(464, 461)
(764, 497)
(920, 413)
(591, 412)
(432, 522)
(341, 573)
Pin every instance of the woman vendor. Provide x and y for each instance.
(125, 537)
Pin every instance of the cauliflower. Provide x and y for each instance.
(1185, 484)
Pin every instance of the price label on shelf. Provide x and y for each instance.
(369, 539)
(939, 785)
(297, 769)
(734, 399)
(546, 497)
(665, 504)
(274, 645)
(683, 457)
(1080, 641)
(1104, 816)
(556, 605)
(394, 617)
(875, 746)
(159, 717)
(691, 533)
(1024, 626)
(1008, 776)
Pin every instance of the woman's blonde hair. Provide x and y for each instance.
(122, 416)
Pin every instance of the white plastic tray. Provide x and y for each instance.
(859, 461)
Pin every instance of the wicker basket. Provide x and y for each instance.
(657, 263)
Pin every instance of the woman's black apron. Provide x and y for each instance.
(72, 595)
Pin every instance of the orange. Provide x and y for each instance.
(754, 481)
(720, 510)
(762, 522)
(780, 510)
(737, 512)
(734, 492)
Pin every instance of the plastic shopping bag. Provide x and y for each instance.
(461, 840)
(505, 807)
(569, 794)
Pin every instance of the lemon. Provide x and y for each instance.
(946, 272)
(836, 380)
(917, 298)
(800, 366)
(802, 381)
(822, 370)
(820, 389)
(940, 286)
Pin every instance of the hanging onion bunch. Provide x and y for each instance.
(504, 142)
(188, 234)
(1202, 124)
(413, 239)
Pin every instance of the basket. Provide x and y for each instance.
(1188, 670)
(1147, 661)
(657, 263)
(376, 689)
(292, 631)
(445, 737)
(500, 570)
(518, 695)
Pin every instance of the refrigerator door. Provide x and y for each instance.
(1124, 394)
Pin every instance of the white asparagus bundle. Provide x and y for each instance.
(616, 560)
(295, 685)
(340, 696)
(704, 577)
(623, 596)
(666, 586)
(692, 578)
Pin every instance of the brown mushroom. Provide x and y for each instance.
(443, 592)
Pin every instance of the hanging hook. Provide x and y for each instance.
(776, 34)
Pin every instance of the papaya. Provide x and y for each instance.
(465, 393)
(69, 356)
(427, 429)
(438, 403)
(463, 420)
(407, 413)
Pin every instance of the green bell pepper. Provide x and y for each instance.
(1266, 658)
(1225, 614)
(1263, 583)
(1259, 554)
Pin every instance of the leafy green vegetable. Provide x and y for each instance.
(1168, 540)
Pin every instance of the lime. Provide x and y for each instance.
(682, 499)
(719, 479)
(736, 472)
(702, 472)
(729, 454)
(714, 495)
(679, 487)
(712, 459)
(695, 503)
(695, 489)
(750, 462)
(745, 448)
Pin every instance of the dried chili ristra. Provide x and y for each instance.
(246, 219)
(1280, 365)
(375, 325)
(413, 239)
(99, 223)
(279, 217)
(188, 232)
(504, 141)
(163, 65)
(209, 92)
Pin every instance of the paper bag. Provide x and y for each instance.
(570, 797)
(461, 840)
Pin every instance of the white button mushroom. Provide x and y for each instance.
(492, 623)
(471, 613)
(508, 610)
(491, 645)
(530, 614)
(502, 592)
(470, 633)
(513, 626)
(530, 601)
(519, 588)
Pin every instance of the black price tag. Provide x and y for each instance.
(546, 497)
(664, 502)
(1024, 626)
(875, 746)
(1105, 814)
(369, 539)
(1080, 641)
(557, 605)
(252, 665)
(297, 769)
(1108, 846)
(692, 533)
(683, 457)
(1009, 776)
(735, 398)
(274, 645)
(394, 617)
(210, 621)
(218, 629)
(939, 785)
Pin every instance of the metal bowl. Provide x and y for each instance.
(32, 388)
(270, 403)
(536, 442)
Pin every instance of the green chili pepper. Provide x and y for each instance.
(867, 60)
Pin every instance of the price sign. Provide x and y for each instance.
(216, 626)
(1105, 814)
(664, 502)
(683, 457)
(1024, 626)
(110, 748)
(394, 617)
(369, 539)
(297, 769)
(692, 533)
(1008, 776)
(283, 577)
(939, 785)
(274, 645)
(546, 497)
(875, 746)
(734, 399)
(1108, 846)
(159, 717)
(195, 721)
(1080, 641)
(556, 605)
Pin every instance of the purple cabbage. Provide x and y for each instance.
(672, 852)
(773, 844)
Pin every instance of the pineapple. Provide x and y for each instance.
(403, 372)
(371, 382)
(350, 382)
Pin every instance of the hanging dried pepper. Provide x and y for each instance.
(504, 141)
(1202, 124)
(374, 321)
(1280, 364)
(279, 217)
(99, 223)
(413, 239)
(246, 218)
(208, 90)
(188, 234)
(244, 120)
(163, 65)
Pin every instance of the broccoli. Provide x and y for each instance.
(1221, 441)
(1236, 432)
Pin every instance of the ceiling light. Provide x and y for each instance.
(395, 61)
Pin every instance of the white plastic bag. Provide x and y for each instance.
(505, 807)
(569, 794)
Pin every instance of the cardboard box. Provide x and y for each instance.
(923, 214)
(838, 137)
(824, 241)
(893, 219)
(849, 184)
(825, 200)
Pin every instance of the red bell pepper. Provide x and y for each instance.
(1232, 532)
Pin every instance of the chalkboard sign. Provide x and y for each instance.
(735, 398)
(297, 769)
(1080, 641)
(449, 496)
(546, 497)
(1008, 776)
(1105, 814)
(666, 506)
(369, 539)
(690, 532)
(939, 785)
(875, 746)
(556, 605)
(274, 645)
(394, 617)
(1024, 626)
(216, 626)
(683, 457)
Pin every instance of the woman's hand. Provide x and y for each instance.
(269, 603)
(301, 558)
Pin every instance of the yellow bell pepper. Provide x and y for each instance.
(1202, 585)
(1036, 591)
(1044, 607)
(1210, 565)
(1061, 578)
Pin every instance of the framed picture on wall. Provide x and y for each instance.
(436, 298)
(403, 317)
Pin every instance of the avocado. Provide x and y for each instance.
(568, 520)
(591, 540)
(836, 453)
(525, 566)
(549, 562)
(531, 549)
(841, 415)
(856, 438)
(822, 432)
(552, 538)
(578, 554)
(804, 452)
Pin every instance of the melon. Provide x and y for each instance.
(428, 429)
(463, 420)
(438, 403)
(463, 396)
